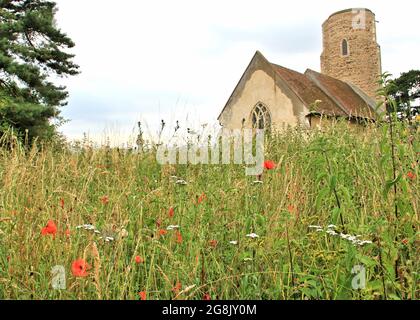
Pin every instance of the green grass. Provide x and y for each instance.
(339, 176)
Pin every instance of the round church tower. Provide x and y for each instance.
(350, 51)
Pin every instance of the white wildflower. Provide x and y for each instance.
(258, 182)
(233, 242)
(332, 232)
(107, 239)
(363, 242)
(353, 239)
(172, 227)
(88, 227)
(181, 182)
(314, 227)
(252, 235)
(123, 234)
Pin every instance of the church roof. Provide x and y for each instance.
(344, 95)
(334, 97)
(308, 92)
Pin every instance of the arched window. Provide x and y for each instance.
(344, 48)
(260, 116)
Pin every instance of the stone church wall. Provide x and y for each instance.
(261, 87)
(362, 65)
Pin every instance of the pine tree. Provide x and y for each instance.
(32, 49)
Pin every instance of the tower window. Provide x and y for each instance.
(344, 48)
(261, 118)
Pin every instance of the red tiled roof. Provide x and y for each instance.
(343, 93)
(309, 92)
(335, 97)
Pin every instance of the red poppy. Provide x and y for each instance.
(178, 237)
(138, 260)
(162, 232)
(79, 268)
(62, 203)
(105, 200)
(201, 198)
(171, 212)
(269, 165)
(213, 243)
(51, 228)
(177, 287)
(206, 297)
(411, 175)
(158, 223)
(405, 242)
(67, 233)
(142, 295)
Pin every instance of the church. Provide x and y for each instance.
(270, 96)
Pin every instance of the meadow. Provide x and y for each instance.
(336, 218)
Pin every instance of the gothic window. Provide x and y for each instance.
(260, 116)
(344, 48)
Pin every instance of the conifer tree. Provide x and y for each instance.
(32, 49)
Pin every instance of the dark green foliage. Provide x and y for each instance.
(32, 49)
(405, 90)
(25, 118)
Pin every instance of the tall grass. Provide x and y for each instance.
(339, 175)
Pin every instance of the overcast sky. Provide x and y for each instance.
(180, 60)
